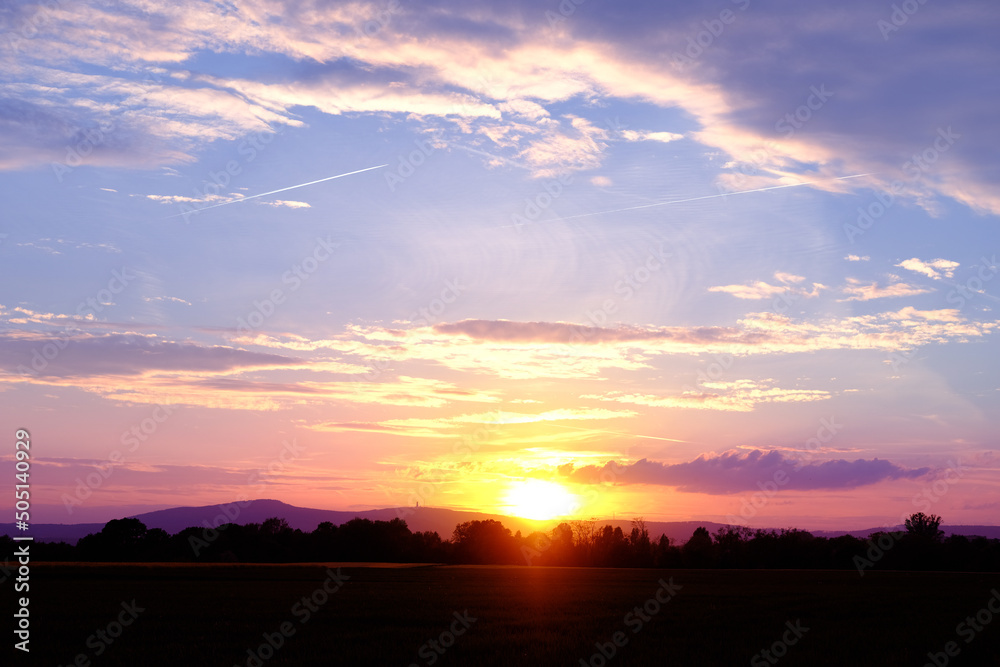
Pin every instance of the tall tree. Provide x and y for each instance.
(924, 526)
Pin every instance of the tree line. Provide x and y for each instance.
(921, 546)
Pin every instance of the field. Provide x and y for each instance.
(220, 614)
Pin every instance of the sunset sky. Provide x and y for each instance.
(659, 256)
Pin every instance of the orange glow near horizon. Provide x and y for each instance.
(539, 500)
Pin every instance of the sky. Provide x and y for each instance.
(728, 261)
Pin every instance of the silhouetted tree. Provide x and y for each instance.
(119, 540)
(924, 526)
(584, 536)
(730, 545)
(920, 547)
(698, 550)
(563, 549)
(639, 545)
(274, 526)
(486, 541)
(427, 547)
(367, 540)
(665, 554)
(321, 542)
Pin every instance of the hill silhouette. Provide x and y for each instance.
(419, 519)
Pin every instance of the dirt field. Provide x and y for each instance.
(253, 615)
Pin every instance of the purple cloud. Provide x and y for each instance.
(735, 472)
(563, 332)
(120, 354)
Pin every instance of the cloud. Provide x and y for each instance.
(561, 350)
(70, 324)
(145, 369)
(66, 472)
(182, 199)
(573, 143)
(936, 269)
(521, 350)
(49, 245)
(735, 396)
(115, 117)
(514, 71)
(444, 426)
(859, 292)
(737, 472)
(762, 290)
(665, 137)
(281, 203)
(942, 315)
(122, 355)
(862, 124)
(408, 430)
(275, 371)
(788, 277)
(757, 290)
(172, 299)
(127, 477)
(857, 258)
(514, 359)
(525, 108)
(232, 392)
(564, 414)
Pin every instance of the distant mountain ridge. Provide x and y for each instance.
(434, 519)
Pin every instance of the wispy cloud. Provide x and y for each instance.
(122, 355)
(282, 203)
(59, 246)
(134, 368)
(184, 199)
(857, 291)
(911, 314)
(444, 426)
(762, 290)
(511, 74)
(172, 299)
(559, 350)
(735, 396)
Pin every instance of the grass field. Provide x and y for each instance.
(212, 615)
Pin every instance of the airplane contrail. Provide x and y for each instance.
(273, 192)
(633, 435)
(681, 201)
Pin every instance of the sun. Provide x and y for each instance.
(539, 500)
